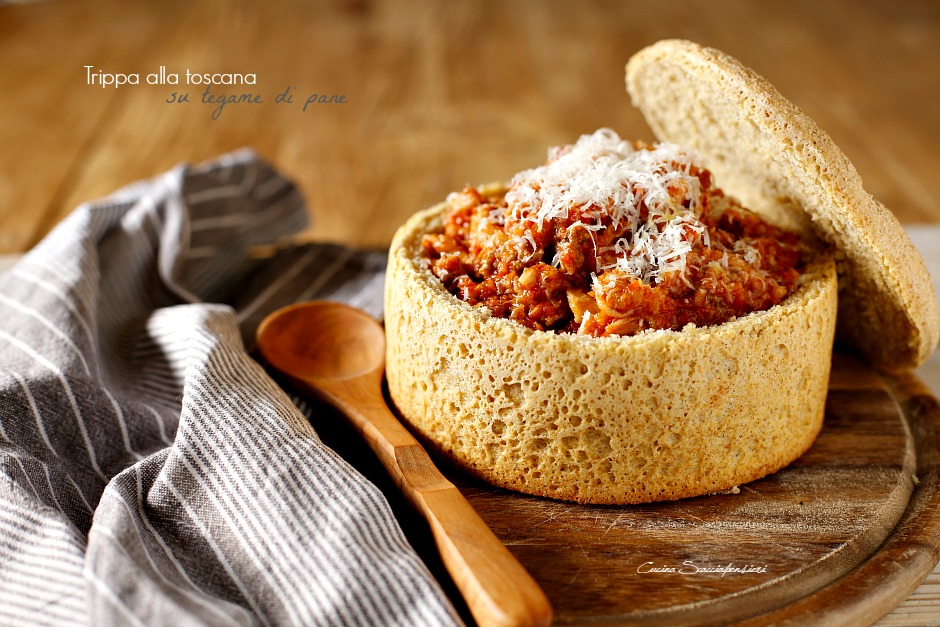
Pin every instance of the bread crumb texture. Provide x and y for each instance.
(658, 416)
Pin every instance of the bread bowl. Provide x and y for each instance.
(674, 412)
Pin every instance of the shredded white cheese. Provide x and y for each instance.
(750, 254)
(604, 181)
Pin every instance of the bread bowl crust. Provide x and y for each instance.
(778, 162)
(658, 416)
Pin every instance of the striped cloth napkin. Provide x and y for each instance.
(151, 473)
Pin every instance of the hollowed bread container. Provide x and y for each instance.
(669, 414)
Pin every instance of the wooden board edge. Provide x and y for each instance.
(907, 556)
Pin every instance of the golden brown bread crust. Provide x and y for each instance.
(772, 157)
(662, 415)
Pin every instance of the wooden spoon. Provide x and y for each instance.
(338, 353)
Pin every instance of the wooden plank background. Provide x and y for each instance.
(438, 94)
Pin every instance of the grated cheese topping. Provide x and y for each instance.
(649, 196)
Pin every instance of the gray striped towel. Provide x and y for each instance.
(150, 471)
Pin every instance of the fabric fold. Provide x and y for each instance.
(150, 471)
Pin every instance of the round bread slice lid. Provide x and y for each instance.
(771, 156)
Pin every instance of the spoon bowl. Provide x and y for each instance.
(337, 352)
(322, 341)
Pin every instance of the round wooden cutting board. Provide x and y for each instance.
(834, 537)
(839, 537)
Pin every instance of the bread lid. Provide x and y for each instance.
(771, 156)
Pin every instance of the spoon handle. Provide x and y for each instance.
(495, 586)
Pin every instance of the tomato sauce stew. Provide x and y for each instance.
(613, 238)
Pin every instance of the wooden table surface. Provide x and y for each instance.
(431, 96)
